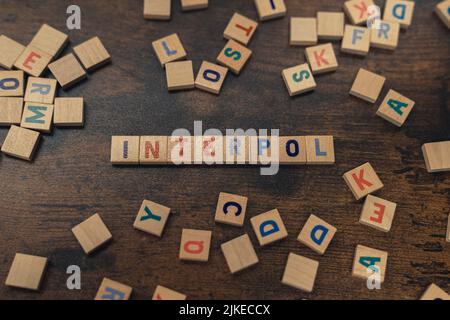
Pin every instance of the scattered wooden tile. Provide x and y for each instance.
(67, 70)
(433, 292)
(316, 234)
(49, 40)
(157, 9)
(40, 90)
(187, 5)
(321, 58)
(153, 150)
(330, 25)
(442, 10)
(26, 271)
(20, 143)
(240, 28)
(68, 112)
(395, 108)
(362, 180)
(210, 77)
(163, 293)
(437, 156)
(33, 61)
(356, 40)
(292, 150)
(10, 51)
(151, 218)
(303, 31)
(180, 150)
(92, 233)
(125, 149)
(10, 110)
(195, 245)
(169, 49)
(268, 227)
(37, 116)
(239, 253)
(180, 75)
(11, 83)
(378, 213)
(386, 36)
(92, 53)
(367, 85)
(298, 79)
(234, 56)
(231, 209)
(320, 150)
(357, 10)
(400, 11)
(270, 9)
(300, 272)
(113, 290)
(236, 150)
(369, 261)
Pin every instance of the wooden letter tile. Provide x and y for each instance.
(386, 37)
(239, 253)
(395, 108)
(356, 40)
(67, 70)
(400, 11)
(169, 49)
(378, 213)
(240, 28)
(92, 53)
(433, 292)
(180, 75)
(357, 10)
(210, 77)
(231, 209)
(68, 112)
(157, 9)
(33, 61)
(125, 149)
(10, 51)
(153, 150)
(292, 150)
(300, 272)
(208, 150)
(151, 218)
(181, 150)
(26, 271)
(268, 227)
(234, 56)
(10, 110)
(437, 156)
(92, 233)
(362, 180)
(317, 234)
(49, 40)
(40, 90)
(37, 116)
(298, 79)
(187, 5)
(442, 10)
(21, 143)
(113, 290)
(270, 9)
(303, 32)
(320, 150)
(195, 245)
(330, 25)
(368, 261)
(11, 83)
(236, 149)
(367, 85)
(321, 58)
(163, 293)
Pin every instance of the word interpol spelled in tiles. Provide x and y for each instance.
(151, 218)
(240, 28)
(316, 234)
(303, 31)
(368, 261)
(10, 50)
(163, 293)
(437, 156)
(113, 290)
(378, 213)
(195, 244)
(268, 227)
(11, 83)
(300, 272)
(268, 10)
(362, 180)
(442, 10)
(92, 233)
(231, 209)
(26, 271)
(239, 253)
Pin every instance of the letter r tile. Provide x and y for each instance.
(152, 218)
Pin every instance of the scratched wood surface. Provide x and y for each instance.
(71, 177)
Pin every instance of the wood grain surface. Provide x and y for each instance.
(71, 177)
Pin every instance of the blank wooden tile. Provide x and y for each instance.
(362, 180)
(437, 156)
(303, 31)
(92, 53)
(433, 292)
(125, 149)
(231, 209)
(400, 11)
(26, 271)
(210, 77)
(357, 10)
(195, 245)
(21, 143)
(181, 150)
(153, 150)
(320, 150)
(442, 10)
(367, 85)
(33, 61)
(321, 58)
(187, 5)
(292, 150)
(41, 90)
(151, 218)
(330, 25)
(240, 28)
(49, 40)
(268, 227)
(169, 49)
(11, 83)
(37, 116)
(300, 272)
(10, 51)
(67, 70)
(316, 234)
(113, 290)
(10, 110)
(366, 257)
(92, 233)
(356, 40)
(157, 9)
(239, 253)
(270, 9)
(163, 293)
(395, 108)
(378, 213)
(180, 75)
(386, 37)
(298, 79)
(68, 112)
(234, 56)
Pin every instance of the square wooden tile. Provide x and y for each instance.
(10, 110)
(231, 209)
(26, 271)
(367, 85)
(433, 292)
(195, 245)
(234, 56)
(210, 77)
(300, 272)
(163, 293)
(365, 258)
(169, 49)
(386, 37)
(92, 53)
(10, 51)
(21, 143)
(292, 150)
(395, 108)
(400, 11)
(125, 149)
(236, 149)
(268, 227)
(208, 150)
(92, 233)
(40, 90)
(239, 253)
(356, 40)
(49, 40)
(321, 58)
(442, 10)
(240, 28)
(330, 25)
(37, 116)
(113, 290)
(157, 9)
(320, 150)
(151, 218)
(180, 150)
(303, 32)
(270, 9)
(316, 234)
(187, 5)
(362, 180)
(153, 150)
(11, 83)
(67, 70)
(437, 156)
(180, 75)
(378, 213)
(298, 79)
(68, 112)
(357, 10)
(33, 61)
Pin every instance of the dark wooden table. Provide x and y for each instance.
(71, 177)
